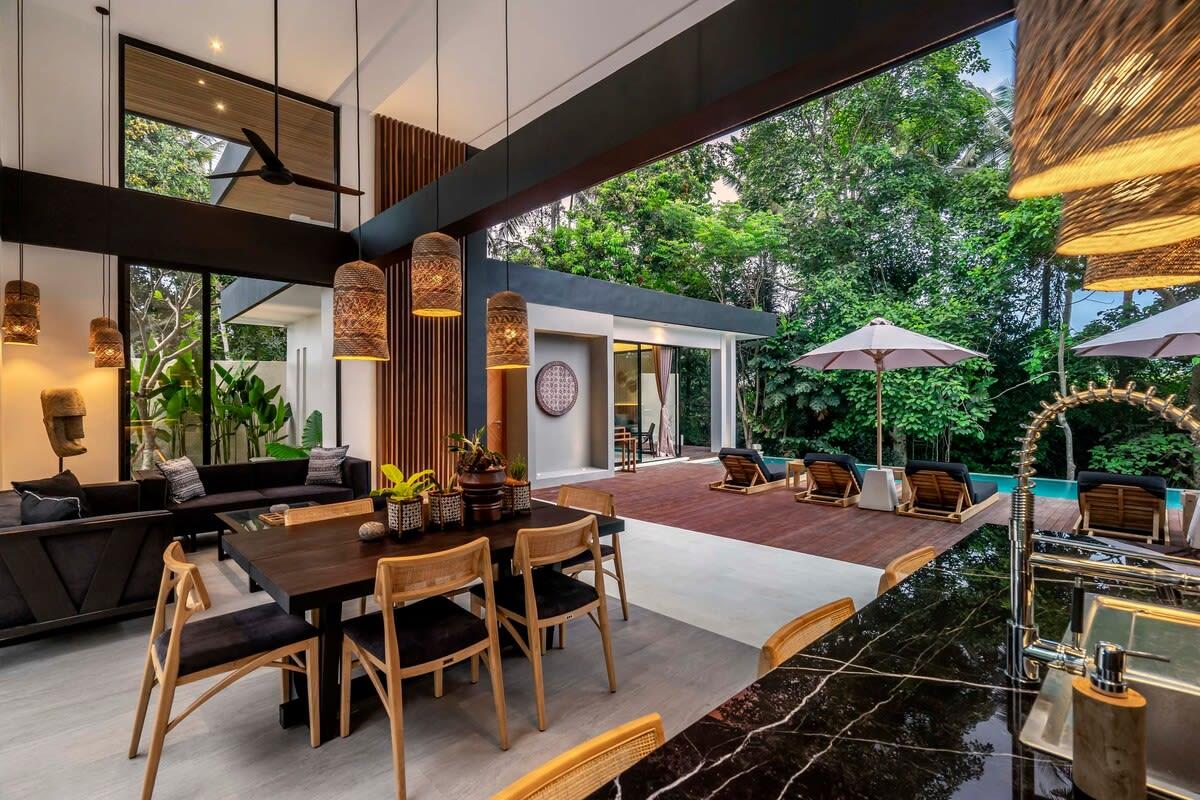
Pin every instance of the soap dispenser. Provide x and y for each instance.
(1109, 756)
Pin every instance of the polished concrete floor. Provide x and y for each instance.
(701, 606)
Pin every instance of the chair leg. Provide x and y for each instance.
(562, 636)
(362, 606)
(438, 683)
(620, 565)
(396, 723)
(312, 668)
(346, 671)
(606, 640)
(139, 719)
(495, 673)
(542, 639)
(539, 687)
(285, 683)
(162, 718)
(477, 610)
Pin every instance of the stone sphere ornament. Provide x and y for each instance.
(372, 531)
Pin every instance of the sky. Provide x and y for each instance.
(997, 46)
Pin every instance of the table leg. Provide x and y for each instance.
(220, 541)
(328, 620)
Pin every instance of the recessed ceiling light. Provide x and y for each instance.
(216, 45)
(220, 106)
(200, 81)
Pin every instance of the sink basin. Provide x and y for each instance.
(1172, 690)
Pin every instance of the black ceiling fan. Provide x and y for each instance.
(273, 169)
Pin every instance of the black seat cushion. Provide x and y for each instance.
(841, 459)
(585, 557)
(982, 490)
(198, 514)
(428, 630)
(1156, 485)
(296, 494)
(208, 642)
(554, 593)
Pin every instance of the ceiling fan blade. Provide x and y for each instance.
(243, 174)
(316, 183)
(264, 151)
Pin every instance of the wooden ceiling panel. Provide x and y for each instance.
(183, 94)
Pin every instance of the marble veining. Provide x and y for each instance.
(907, 699)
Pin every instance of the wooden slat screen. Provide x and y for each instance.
(421, 394)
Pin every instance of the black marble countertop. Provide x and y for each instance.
(908, 699)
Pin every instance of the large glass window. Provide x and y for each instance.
(646, 397)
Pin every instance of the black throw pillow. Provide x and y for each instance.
(64, 484)
(35, 508)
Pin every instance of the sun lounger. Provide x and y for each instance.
(747, 473)
(1131, 506)
(833, 480)
(944, 490)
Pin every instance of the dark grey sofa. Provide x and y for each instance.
(231, 487)
(58, 574)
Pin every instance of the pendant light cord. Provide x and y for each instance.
(105, 97)
(357, 133)
(275, 22)
(437, 112)
(507, 143)
(21, 142)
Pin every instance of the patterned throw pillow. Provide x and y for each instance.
(183, 481)
(325, 465)
(35, 508)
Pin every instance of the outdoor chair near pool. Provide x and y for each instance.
(746, 472)
(833, 480)
(943, 490)
(1130, 506)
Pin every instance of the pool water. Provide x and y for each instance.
(1043, 487)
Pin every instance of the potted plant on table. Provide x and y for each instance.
(446, 505)
(481, 476)
(404, 503)
(517, 494)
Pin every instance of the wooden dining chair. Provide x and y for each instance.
(233, 645)
(598, 502)
(805, 629)
(586, 767)
(540, 597)
(902, 566)
(428, 633)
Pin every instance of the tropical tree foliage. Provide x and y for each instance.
(887, 198)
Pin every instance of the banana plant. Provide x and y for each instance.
(312, 436)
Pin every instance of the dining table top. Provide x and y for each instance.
(318, 564)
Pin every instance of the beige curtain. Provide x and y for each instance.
(665, 447)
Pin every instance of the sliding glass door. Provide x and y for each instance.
(646, 397)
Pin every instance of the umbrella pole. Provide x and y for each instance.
(878, 412)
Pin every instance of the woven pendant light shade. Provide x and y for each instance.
(1105, 91)
(95, 325)
(110, 349)
(436, 276)
(1131, 215)
(22, 307)
(359, 313)
(507, 331)
(1155, 268)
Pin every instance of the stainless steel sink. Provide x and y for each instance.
(1172, 689)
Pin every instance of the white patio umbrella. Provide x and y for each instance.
(1174, 332)
(879, 345)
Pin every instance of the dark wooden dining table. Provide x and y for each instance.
(318, 566)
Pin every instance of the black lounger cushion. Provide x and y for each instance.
(841, 459)
(772, 472)
(957, 471)
(1156, 485)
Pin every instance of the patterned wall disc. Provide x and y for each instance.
(556, 388)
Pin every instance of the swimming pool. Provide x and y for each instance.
(1043, 487)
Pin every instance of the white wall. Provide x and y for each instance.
(311, 370)
(564, 443)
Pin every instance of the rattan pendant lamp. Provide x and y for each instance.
(1153, 268)
(436, 272)
(105, 342)
(507, 316)
(1131, 215)
(359, 287)
(22, 298)
(1105, 92)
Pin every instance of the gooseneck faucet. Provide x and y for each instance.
(1027, 651)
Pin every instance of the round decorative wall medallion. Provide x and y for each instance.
(556, 388)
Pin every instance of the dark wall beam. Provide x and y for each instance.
(59, 212)
(746, 61)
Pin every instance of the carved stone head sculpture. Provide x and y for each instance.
(63, 412)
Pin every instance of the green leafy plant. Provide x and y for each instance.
(518, 468)
(312, 436)
(1167, 454)
(403, 488)
(473, 455)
